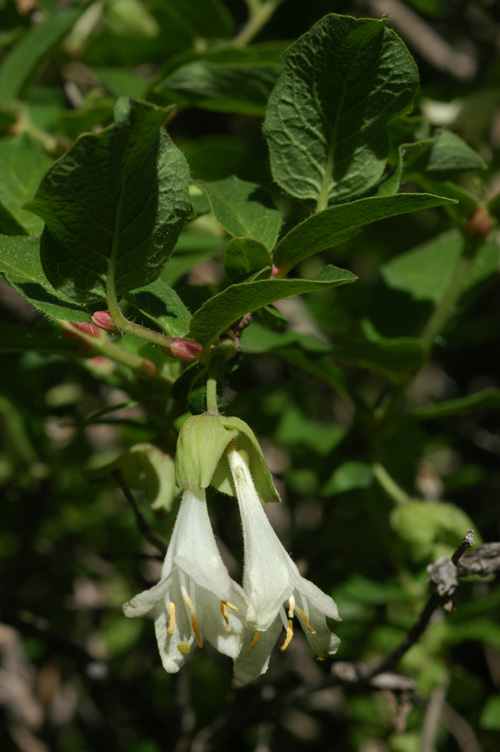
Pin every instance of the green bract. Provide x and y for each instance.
(201, 458)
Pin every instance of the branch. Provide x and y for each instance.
(443, 583)
(141, 522)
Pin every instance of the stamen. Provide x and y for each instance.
(231, 606)
(188, 600)
(171, 619)
(223, 609)
(255, 640)
(194, 620)
(196, 630)
(291, 607)
(289, 635)
(306, 622)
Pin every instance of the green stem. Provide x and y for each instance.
(123, 324)
(212, 404)
(389, 485)
(446, 305)
(103, 345)
(259, 16)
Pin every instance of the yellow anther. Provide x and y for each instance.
(289, 635)
(231, 606)
(223, 610)
(171, 619)
(196, 630)
(291, 608)
(306, 622)
(255, 640)
(194, 620)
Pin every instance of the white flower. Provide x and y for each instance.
(195, 597)
(276, 590)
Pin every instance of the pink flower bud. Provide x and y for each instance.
(480, 223)
(149, 367)
(274, 271)
(104, 320)
(183, 349)
(83, 326)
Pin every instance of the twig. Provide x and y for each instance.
(466, 543)
(410, 638)
(141, 522)
(442, 591)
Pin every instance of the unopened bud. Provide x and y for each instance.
(274, 271)
(104, 320)
(149, 367)
(183, 349)
(480, 223)
(83, 326)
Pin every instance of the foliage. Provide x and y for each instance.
(249, 207)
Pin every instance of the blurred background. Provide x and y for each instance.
(382, 456)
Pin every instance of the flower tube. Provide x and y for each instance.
(276, 591)
(195, 598)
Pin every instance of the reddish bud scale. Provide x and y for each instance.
(480, 223)
(83, 326)
(183, 349)
(104, 320)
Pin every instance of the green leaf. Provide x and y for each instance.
(295, 430)
(224, 80)
(342, 83)
(161, 303)
(22, 63)
(347, 476)
(244, 209)
(114, 204)
(145, 467)
(259, 339)
(423, 522)
(302, 350)
(339, 223)
(396, 358)
(190, 389)
(490, 715)
(244, 256)
(218, 313)
(425, 272)
(205, 19)
(441, 156)
(487, 398)
(121, 82)
(22, 166)
(20, 263)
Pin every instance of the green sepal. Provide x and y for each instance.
(201, 444)
(246, 442)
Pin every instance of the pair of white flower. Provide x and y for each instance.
(196, 598)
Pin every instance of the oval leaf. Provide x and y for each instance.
(115, 204)
(325, 124)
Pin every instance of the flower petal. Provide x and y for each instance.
(251, 663)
